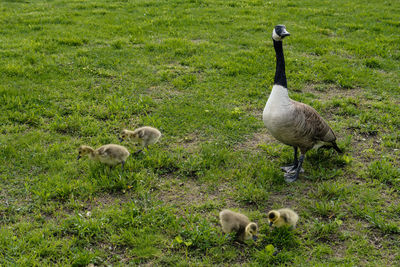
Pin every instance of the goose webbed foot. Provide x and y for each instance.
(292, 176)
(290, 168)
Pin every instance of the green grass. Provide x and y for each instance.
(77, 72)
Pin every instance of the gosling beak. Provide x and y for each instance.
(255, 237)
(120, 139)
(79, 156)
(270, 224)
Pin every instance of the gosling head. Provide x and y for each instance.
(273, 215)
(251, 231)
(124, 135)
(279, 33)
(83, 150)
(133, 136)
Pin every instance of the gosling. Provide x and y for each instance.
(283, 217)
(239, 223)
(145, 136)
(110, 155)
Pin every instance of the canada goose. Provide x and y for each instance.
(283, 217)
(291, 122)
(145, 136)
(239, 223)
(108, 154)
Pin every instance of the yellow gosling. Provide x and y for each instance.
(145, 136)
(239, 224)
(110, 154)
(283, 217)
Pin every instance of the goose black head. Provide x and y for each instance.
(279, 33)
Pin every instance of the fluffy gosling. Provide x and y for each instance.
(145, 136)
(110, 155)
(239, 223)
(283, 217)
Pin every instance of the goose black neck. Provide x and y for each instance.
(280, 75)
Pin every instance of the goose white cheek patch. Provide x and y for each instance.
(275, 36)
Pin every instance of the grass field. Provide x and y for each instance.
(77, 72)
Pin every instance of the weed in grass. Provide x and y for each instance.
(268, 257)
(277, 246)
(250, 193)
(386, 226)
(198, 234)
(372, 63)
(322, 251)
(330, 191)
(327, 209)
(280, 238)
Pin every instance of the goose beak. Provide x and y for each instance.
(255, 237)
(270, 224)
(79, 156)
(284, 33)
(120, 139)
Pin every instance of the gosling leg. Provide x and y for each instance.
(122, 165)
(292, 176)
(137, 152)
(143, 150)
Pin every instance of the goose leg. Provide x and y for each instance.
(293, 167)
(293, 175)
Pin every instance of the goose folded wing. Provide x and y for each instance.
(313, 125)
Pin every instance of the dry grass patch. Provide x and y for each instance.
(252, 142)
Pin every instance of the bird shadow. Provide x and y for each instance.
(324, 164)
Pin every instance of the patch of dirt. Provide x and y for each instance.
(333, 91)
(190, 142)
(112, 198)
(364, 148)
(162, 94)
(288, 198)
(198, 41)
(253, 141)
(180, 192)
